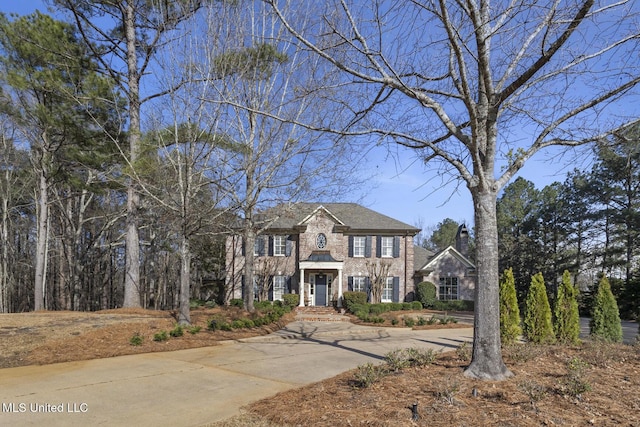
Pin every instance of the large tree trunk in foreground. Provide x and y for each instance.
(486, 362)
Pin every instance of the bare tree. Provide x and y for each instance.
(480, 86)
(265, 90)
(126, 52)
(378, 273)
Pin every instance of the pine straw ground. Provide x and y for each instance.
(46, 337)
(545, 391)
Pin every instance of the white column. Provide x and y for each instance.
(339, 287)
(301, 287)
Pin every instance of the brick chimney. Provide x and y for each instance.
(462, 240)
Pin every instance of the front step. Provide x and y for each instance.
(320, 314)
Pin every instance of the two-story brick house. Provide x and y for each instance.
(319, 251)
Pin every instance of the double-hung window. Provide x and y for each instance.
(386, 245)
(359, 243)
(387, 290)
(279, 286)
(359, 284)
(279, 245)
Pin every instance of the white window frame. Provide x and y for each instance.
(448, 289)
(386, 247)
(279, 245)
(359, 245)
(256, 247)
(279, 287)
(387, 290)
(359, 284)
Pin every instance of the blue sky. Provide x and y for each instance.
(403, 188)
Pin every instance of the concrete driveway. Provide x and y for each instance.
(199, 386)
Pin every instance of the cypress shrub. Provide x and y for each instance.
(605, 317)
(567, 319)
(537, 317)
(426, 294)
(510, 328)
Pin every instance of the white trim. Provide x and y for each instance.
(308, 217)
(454, 252)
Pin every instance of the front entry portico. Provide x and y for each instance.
(318, 280)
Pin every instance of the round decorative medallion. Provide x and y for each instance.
(321, 241)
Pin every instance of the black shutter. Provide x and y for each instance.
(367, 286)
(350, 283)
(260, 245)
(396, 289)
(270, 284)
(270, 249)
(242, 248)
(396, 246)
(288, 285)
(351, 246)
(367, 246)
(379, 246)
(242, 287)
(288, 246)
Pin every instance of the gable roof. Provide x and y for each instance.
(433, 260)
(352, 216)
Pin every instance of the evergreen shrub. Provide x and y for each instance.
(605, 318)
(426, 294)
(510, 328)
(566, 316)
(537, 317)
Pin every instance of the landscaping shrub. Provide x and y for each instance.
(407, 306)
(262, 305)
(376, 309)
(218, 323)
(177, 331)
(537, 318)
(136, 339)
(416, 305)
(567, 319)
(367, 374)
(291, 300)
(605, 318)
(510, 328)
(236, 302)
(426, 294)
(409, 322)
(161, 336)
(393, 306)
(453, 305)
(237, 324)
(353, 298)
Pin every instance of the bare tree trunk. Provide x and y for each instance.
(132, 255)
(41, 241)
(486, 362)
(184, 317)
(4, 263)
